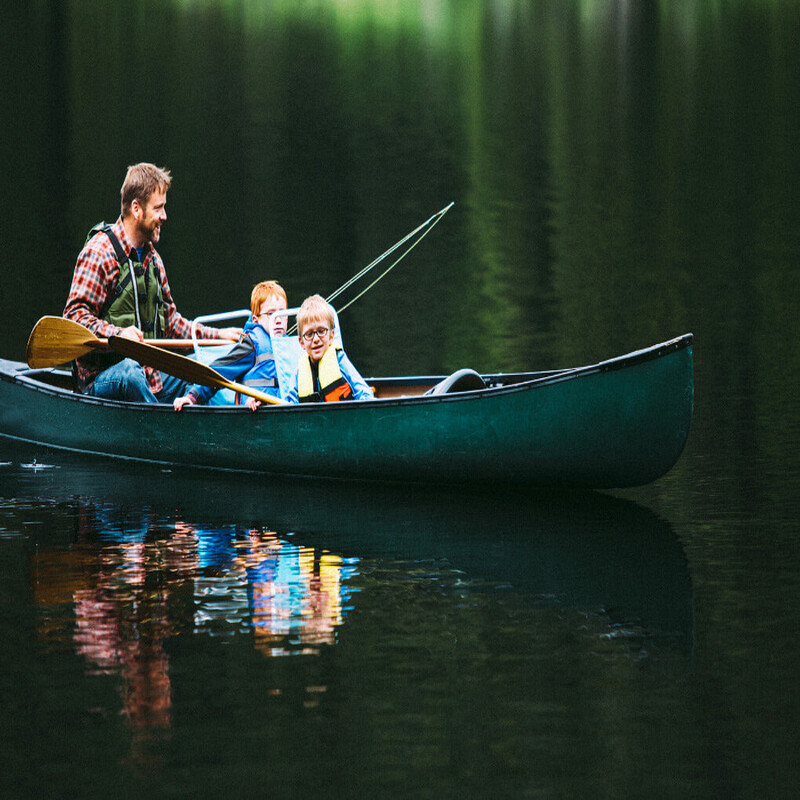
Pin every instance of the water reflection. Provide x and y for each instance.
(131, 580)
(290, 590)
(227, 615)
(291, 596)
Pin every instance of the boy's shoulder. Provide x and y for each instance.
(341, 356)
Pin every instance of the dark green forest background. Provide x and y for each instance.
(622, 173)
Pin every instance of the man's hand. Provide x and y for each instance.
(132, 332)
(179, 402)
(231, 334)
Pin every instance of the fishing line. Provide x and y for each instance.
(429, 223)
(399, 258)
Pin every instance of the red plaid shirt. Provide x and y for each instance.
(96, 273)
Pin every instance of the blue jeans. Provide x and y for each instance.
(127, 381)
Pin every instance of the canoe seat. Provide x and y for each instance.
(462, 380)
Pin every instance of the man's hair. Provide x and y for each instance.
(140, 182)
(261, 291)
(314, 307)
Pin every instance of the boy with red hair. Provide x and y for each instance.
(251, 361)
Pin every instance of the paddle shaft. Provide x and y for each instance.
(177, 344)
(55, 340)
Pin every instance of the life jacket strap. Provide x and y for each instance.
(122, 257)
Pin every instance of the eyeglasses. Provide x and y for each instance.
(308, 336)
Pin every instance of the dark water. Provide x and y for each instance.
(622, 172)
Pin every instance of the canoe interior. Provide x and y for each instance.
(57, 378)
(384, 388)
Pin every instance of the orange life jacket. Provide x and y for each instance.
(329, 386)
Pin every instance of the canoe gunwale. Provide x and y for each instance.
(498, 384)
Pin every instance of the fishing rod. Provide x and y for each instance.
(429, 224)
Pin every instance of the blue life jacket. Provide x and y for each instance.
(262, 375)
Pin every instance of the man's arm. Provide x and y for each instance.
(95, 272)
(232, 366)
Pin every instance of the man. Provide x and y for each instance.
(120, 288)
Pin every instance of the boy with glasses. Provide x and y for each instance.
(324, 373)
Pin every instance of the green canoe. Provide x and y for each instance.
(618, 423)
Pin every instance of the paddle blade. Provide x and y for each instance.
(55, 340)
(181, 367)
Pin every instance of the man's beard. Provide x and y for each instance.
(150, 231)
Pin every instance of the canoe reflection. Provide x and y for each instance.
(577, 550)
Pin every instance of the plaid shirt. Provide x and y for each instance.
(96, 273)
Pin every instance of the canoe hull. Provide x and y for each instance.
(620, 423)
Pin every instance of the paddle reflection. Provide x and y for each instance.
(133, 583)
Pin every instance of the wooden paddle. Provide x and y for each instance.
(184, 368)
(55, 340)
